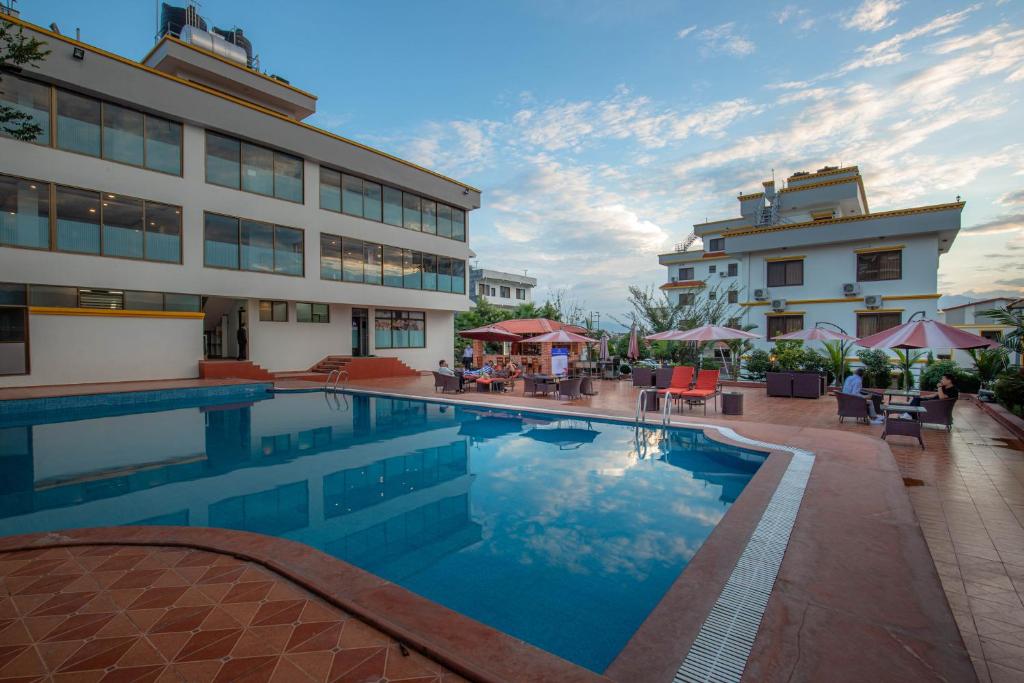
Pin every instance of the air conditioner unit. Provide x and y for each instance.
(761, 294)
(673, 279)
(723, 274)
(778, 305)
(851, 289)
(873, 301)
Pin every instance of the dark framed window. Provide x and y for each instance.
(124, 132)
(506, 292)
(458, 276)
(712, 269)
(330, 257)
(354, 260)
(712, 295)
(163, 232)
(373, 263)
(412, 269)
(734, 269)
(330, 189)
(785, 273)
(734, 296)
(353, 257)
(458, 224)
(716, 244)
(78, 220)
(880, 265)
(24, 212)
(870, 323)
(444, 221)
(163, 145)
(687, 298)
(242, 244)
(520, 293)
(393, 266)
(14, 347)
(429, 272)
(784, 324)
(392, 206)
(29, 98)
(90, 297)
(411, 213)
(400, 329)
(124, 224)
(242, 165)
(78, 123)
(274, 311)
(686, 273)
(429, 221)
(312, 313)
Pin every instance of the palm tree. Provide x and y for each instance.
(989, 363)
(1014, 339)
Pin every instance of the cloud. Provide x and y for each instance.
(1014, 198)
(457, 147)
(797, 15)
(1012, 282)
(723, 39)
(1006, 223)
(890, 51)
(686, 31)
(873, 15)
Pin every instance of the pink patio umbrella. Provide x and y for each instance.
(490, 333)
(603, 348)
(816, 334)
(925, 334)
(634, 345)
(704, 333)
(561, 337)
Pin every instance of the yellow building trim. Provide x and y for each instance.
(878, 310)
(753, 195)
(702, 260)
(875, 250)
(168, 38)
(847, 299)
(114, 313)
(814, 186)
(773, 259)
(822, 174)
(738, 232)
(776, 315)
(910, 297)
(984, 328)
(216, 93)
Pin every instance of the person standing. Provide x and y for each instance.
(243, 342)
(467, 357)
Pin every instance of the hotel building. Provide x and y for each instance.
(971, 318)
(504, 290)
(813, 252)
(167, 202)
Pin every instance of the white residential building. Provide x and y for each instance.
(970, 317)
(169, 201)
(505, 290)
(813, 252)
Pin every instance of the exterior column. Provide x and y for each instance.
(478, 352)
(545, 358)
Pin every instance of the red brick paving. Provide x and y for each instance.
(145, 614)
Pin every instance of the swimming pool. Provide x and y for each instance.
(562, 531)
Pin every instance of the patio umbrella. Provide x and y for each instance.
(925, 334)
(816, 334)
(704, 333)
(490, 333)
(603, 348)
(561, 337)
(634, 346)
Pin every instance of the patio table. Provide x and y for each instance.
(898, 427)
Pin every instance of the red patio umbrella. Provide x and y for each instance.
(704, 333)
(561, 337)
(816, 334)
(634, 345)
(490, 333)
(925, 334)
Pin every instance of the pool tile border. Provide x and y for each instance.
(151, 398)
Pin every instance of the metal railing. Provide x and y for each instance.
(337, 374)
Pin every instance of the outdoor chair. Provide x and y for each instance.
(570, 388)
(806, 385)
(705, 388)
(940, 412)
(446, 383)
(663, 377)
(679, 381)
(643, 377)
(852, 405)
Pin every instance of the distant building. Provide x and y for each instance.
(505, 290)
(969, 317)
(814, 252)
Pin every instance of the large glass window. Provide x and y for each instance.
(353, 260)
(392, 206)
(288, 247)
(784, 324)
(716, 244)
(458, 276)
(880, 265)
(412, 269)
(352, 195)
(459, 225)
(78, 220)
(78, 123)
(163, 232)
(123, 226)
(429, 272)
(25, 217)
(123, 135)
(444, 274)
(392, 266)
(257, 169)
(373, 263)
(871, 323)
(163, 145)
(312, 313)
(400, 329)
(444, 220)
(287, 177)
(220, 241)
(182, 302)
(143, 301)
(223, 159)
(411, 215)
(371, 200)
(330, 257)
(330, 189)
(785, 273)
(256, 241)
(274, 311)
(429, 216)
(31, 99)
(53, 297)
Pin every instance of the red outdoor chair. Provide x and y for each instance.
(682, 377)
(705, 388)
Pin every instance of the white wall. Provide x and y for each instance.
(280, 346)
(68, 349)
(440, 343)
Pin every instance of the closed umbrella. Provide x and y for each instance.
(634, 345)
(603, 348)
(490, 333)
(925, 334)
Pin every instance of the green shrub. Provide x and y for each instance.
(1009, 390)
(816, 362)
(877, 368)
(710, 365)
(759, 362)
(789, 355)
(966, 381)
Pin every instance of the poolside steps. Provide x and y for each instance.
(241, 369)
(364, 367)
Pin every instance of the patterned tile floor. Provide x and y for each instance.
(141, 614)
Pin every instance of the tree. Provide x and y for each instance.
(18, 50)
(1014, 339)
(484, 313)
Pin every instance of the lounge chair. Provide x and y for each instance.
(643, 377)
(663, 377)
(940, 412)
(706, 387)
(679, 381)
(570, 388)
(852, 405)
(446, 383)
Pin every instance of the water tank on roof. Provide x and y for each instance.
(174, 19)
(236, 37)
(211, 42)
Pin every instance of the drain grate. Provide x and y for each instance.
(720, 652)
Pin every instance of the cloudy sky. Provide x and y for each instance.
(600, 132)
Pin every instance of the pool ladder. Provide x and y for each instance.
(337, 374)
(641, 407)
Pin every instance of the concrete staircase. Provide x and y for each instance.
(362, 367)
(241, 369)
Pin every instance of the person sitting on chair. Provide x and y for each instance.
(854, 385)
(443, 369)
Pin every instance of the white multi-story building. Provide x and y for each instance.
(167, 202)
(814, 252)
(505, 290)
(970, 317)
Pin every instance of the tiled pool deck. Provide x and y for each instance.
(858, 596)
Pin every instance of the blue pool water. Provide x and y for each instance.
(564, 532)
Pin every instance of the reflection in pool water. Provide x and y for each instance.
(563, 532)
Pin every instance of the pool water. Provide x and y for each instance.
(564, 532)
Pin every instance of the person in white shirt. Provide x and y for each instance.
(854, 385)
(443, 369)
(467, 357)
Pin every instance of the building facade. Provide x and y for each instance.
(970, 317)
(166, 203)
(505, 290)
(813, 252)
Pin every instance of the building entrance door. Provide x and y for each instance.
(360, 332)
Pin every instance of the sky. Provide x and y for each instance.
(600, 131)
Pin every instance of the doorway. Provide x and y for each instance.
(220, 326)
(360, 332)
